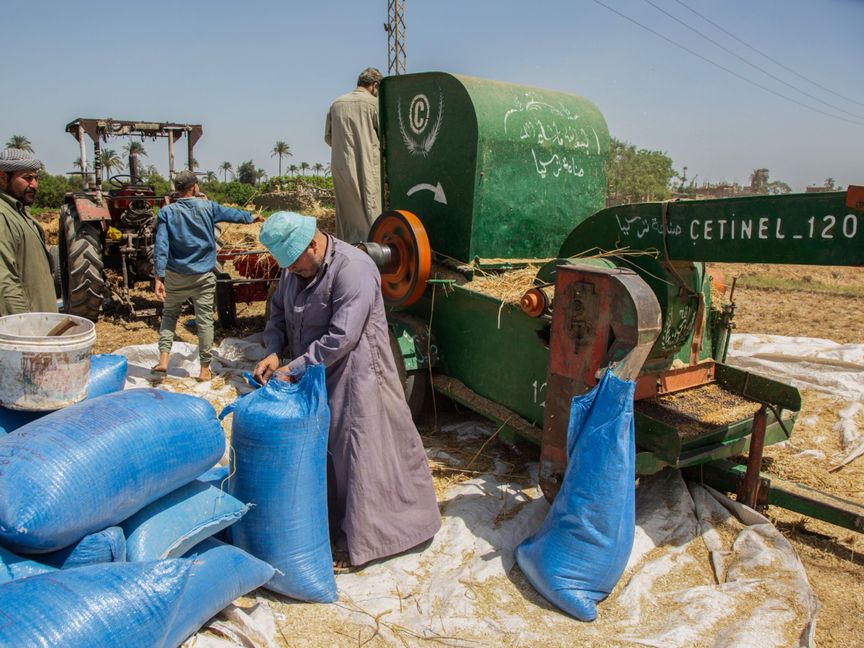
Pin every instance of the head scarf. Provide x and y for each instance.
(12, 160)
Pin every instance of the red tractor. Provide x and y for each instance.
(111, 229)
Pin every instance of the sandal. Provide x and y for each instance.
(344, 566)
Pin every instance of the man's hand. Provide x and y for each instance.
(159, 289)
(265, 368)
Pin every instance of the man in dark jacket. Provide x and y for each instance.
(328, 309)
(26, 284)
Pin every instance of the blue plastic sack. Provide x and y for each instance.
(221, 574)
(13, 419)
(108, 545)
(279, 437)
(107, 374)
(13, 567)
(175, 523)
(583, 545)
(92, 465)
(158, 603)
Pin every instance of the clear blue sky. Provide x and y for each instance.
(260, 71)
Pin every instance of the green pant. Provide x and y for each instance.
(178, 288)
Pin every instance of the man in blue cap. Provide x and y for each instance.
(328, 310)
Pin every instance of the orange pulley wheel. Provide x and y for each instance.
(404, 277)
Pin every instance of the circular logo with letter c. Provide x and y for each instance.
(418, 113)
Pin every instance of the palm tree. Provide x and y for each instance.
(134, 148)
(293, 169)
(192, 164)
(317, 168)
(303, 167)
(260, 175)
(225, 168)
(19, 142)
(110, 161)
(281, 149)
(210, 176)
(326, 170)
(77, 165)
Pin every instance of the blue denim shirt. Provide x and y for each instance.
(185, 241)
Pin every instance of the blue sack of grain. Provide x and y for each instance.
(108, 545)
(157, 603)
(279, 463)
(92, 465)
(13, 567)
(173, 524)
(13, 419)
(222, 573)
(583, 545)
(107, 374)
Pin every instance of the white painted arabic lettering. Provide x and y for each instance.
(557, 138)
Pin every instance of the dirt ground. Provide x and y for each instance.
(784, 300)
(829, 304)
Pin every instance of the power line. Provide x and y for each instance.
(773, 60)
(725, 69)
(753, 65)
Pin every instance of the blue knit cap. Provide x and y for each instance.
(286, 235)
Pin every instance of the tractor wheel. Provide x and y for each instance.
(414, 382)
(82, 276)
(226, 307)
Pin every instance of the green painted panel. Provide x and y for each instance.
(813, 228)
(493, 170)
(494, 351)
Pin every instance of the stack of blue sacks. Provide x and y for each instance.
(107, 509)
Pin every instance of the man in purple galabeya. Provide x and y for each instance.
(328, 310)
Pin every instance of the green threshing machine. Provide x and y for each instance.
(484, 177)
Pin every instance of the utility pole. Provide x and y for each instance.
(395, 28)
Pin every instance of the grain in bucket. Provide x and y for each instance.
(39, 371)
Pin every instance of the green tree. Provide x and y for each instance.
(293, 169)
(210, 176)
(53, 189)
(110, 162)
(303, 167)
(281, 149)
(759, 181)
(778, 187)
(247, 172)
(317, 168)
(636, 175)
(226, 168)
(19, 142)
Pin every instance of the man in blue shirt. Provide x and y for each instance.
(185, 259)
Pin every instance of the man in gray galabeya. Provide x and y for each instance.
(352, 133)
(328, 310)
(26, 284)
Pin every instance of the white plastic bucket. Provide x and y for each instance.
(38, 372)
